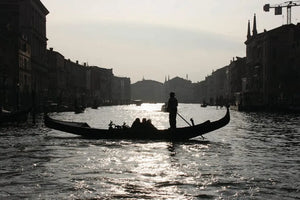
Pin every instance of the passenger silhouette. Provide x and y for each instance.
(136, 123)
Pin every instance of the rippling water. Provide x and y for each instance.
(256, 156)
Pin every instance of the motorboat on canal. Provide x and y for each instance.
(120, 132)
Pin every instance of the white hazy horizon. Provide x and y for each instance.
(152, 39)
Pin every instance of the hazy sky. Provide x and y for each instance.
(157, 38)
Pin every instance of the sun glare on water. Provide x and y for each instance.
(149, 107)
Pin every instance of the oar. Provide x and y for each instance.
(183, 119)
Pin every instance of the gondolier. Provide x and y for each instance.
(172, 109)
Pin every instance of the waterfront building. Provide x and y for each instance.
(121, 91)
(3, 70)
(220, 85)
(252, 89)
(200, 92)
(9, 68)
(71, 83)
(57, 84)
(25, 73)
(272, 68)
(15, 67)
(210, 90)
(237, 71)
(99, 85)
(147, 91)
(267, 78)
(76, 76)
(25, 20)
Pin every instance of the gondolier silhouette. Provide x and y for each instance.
(172, 109)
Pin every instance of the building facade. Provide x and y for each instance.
(57, 82)
(272, 68)
(121, 91)
(25, 22)
(25, 73)
(200, 92)
(76, 79)
(237, 71)
(9, 68)
(99, 85)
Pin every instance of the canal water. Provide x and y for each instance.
(256, 156)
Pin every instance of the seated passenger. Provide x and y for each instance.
(144, 121)
(110, 125)
(125, 126)
(149, 124)
(136, 123)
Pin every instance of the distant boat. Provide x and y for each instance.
(203, 105)
(164, 107)
(79, 109)
(137, 102)
(19, 116)
(178, 134)
(95, 105)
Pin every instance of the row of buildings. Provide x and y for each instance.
(87, 85)
(267, 78)
(31, 74)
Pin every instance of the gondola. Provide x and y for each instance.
(14, 117)
(164, 107)
(203, 105)
(178, 134)
(79, 110)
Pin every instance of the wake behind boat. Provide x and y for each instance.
(178, 134)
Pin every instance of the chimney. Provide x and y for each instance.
(51, 49)
(77, 62)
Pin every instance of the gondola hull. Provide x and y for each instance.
(178, 134)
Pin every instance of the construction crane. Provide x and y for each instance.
(278, 9)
